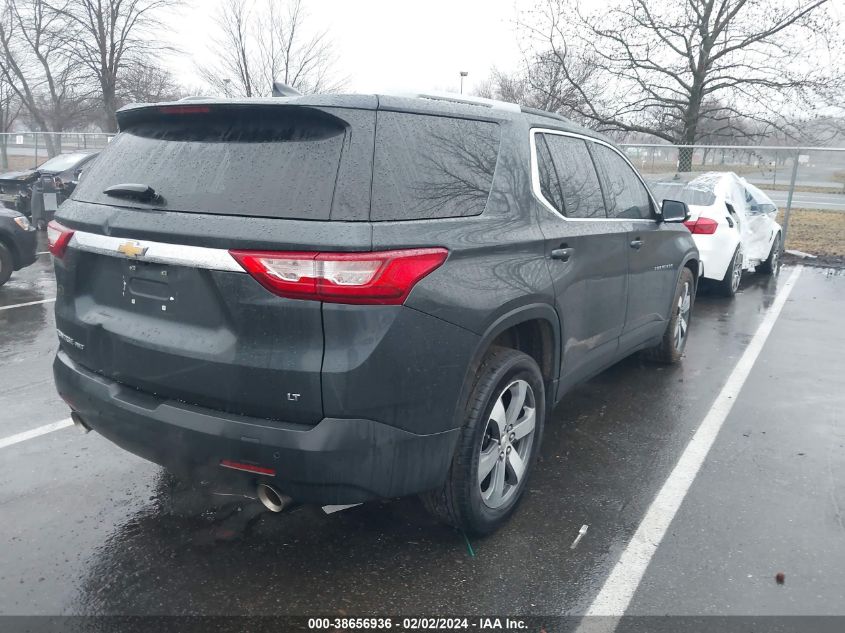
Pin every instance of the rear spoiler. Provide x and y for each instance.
(217, 109)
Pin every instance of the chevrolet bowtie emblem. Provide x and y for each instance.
(132, 249)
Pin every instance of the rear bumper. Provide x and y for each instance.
(334, 462)
(716, 253)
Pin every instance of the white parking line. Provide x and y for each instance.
(41, 430)
(28, 303)
(43, 253)
(619, 588)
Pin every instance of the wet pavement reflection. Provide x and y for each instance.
(91, 529)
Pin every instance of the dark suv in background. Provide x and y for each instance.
(340, 298)
(17, 243)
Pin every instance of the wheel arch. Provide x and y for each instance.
(536, 328)
(693, 263)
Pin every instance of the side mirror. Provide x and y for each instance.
(674, 211)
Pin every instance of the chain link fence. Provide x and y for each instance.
(28, 150)
(807, 184)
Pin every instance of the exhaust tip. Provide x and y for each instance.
(272, 499)
(79, 423)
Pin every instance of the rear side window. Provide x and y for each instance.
(432, 167)
(549, 182)
(271, 162)
(582, 196)
(691, 193)
(625, 194)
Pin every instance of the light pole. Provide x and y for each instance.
(463, 74)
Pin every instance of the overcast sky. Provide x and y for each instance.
(386, 45)
(396, 45)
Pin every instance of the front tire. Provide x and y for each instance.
(499, 441)
(6, 264)
(674, 342)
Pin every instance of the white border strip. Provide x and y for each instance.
(619, 588)
(28, 303)
(33, 433)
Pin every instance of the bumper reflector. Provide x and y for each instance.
(248, 468)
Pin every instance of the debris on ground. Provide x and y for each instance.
(332, 509)
(801, 254)
(578, 538)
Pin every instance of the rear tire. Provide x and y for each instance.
(674, 342)
(772, 264)
(733, 276)
(497, 447)
(7, 264)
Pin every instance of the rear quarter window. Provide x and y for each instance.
(432, 167)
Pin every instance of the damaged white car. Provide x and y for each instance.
(733, 225)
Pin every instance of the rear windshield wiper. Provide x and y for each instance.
(136, 191)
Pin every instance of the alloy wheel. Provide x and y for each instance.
(506, 444)
(736, 273)
(682, 325)
(776, 256)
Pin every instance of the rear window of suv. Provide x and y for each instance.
(270, 162)
(431, 166)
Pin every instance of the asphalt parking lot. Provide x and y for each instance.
(90, 529)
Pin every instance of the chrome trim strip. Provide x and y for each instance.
(535, 176)
(157, 252)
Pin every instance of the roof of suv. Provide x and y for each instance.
(442, 104)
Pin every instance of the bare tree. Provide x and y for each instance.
(262, 41)
(146, 82)
(542, 84)
(511, 87)
(10, 107)
(663, 67)
(38, 68)
(113, 35)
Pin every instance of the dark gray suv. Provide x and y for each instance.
(340, 298)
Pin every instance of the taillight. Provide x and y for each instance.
(184, 109)
(702, 226)
(58, 237)
(384, 278)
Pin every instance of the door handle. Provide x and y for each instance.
(636, 243)
(563, 254)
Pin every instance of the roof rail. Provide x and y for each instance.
(459, 98)
(546, 113)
